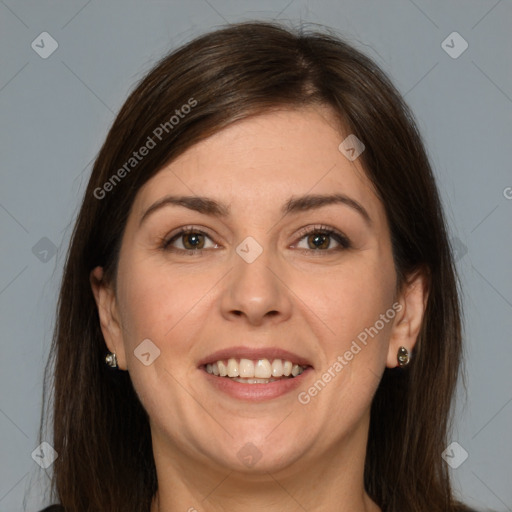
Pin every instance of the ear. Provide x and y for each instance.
(412, 302)
(109, 318)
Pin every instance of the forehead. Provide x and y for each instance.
(263, 160)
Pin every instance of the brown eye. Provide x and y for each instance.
(318, 241)
(193, 240)
(322, 239)
(189, 241)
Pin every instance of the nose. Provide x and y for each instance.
(256, 293)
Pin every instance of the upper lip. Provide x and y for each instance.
(241, 352)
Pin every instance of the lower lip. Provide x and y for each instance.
(257, 392)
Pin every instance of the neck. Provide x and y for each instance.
(332, 481)
(272, 496)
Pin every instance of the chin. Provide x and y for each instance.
(252, 454)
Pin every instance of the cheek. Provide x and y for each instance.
(157, 301)
(145, 306)
(350, 300)
(163, 306)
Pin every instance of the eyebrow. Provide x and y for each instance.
(311, 202)
(213, 208)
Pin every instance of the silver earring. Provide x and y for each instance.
(111, 360)
(403, 357)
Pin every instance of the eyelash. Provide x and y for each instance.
(342, 240)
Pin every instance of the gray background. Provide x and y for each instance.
(55, 113)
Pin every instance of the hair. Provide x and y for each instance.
(100, 429)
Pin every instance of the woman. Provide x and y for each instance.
(259, 306)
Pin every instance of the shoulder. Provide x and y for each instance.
(53, 508)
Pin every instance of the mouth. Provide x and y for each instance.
(255, 374)
(254, 371)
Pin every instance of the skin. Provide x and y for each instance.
(312, 303)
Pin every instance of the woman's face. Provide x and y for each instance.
(287, 260)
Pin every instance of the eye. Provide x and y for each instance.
(192, 240)
(189, 240)
(322, 239)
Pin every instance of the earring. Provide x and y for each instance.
(111, 360)
(403, 357)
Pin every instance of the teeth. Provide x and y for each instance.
(232, 368)
(263, 369)
(277, 368)
(246, 368)
(254, 381)
(259, 371)
(223, 369)
(295, 370)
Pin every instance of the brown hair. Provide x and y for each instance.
(101, 430)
